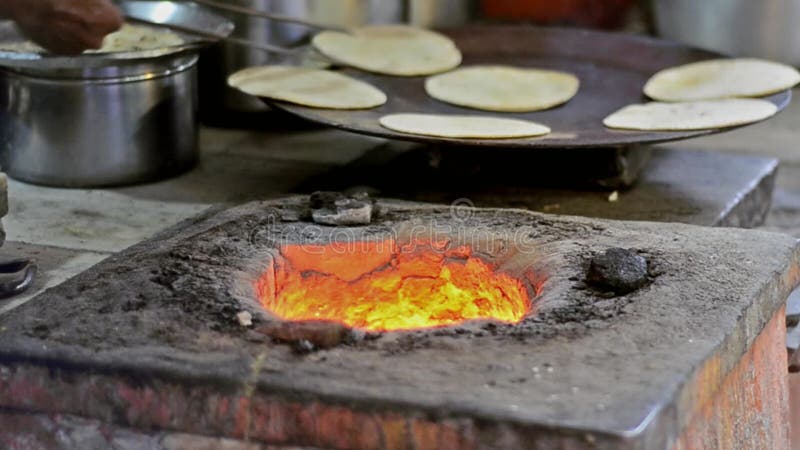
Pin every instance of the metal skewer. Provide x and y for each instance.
(217, 37)
(269, 16)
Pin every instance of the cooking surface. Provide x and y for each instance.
(612, 68)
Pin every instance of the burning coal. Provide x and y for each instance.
(386, 286)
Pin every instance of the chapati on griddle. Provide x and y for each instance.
(699, 115)
(129, 38)
(308, 87)
(721, 78)
(390, 49)
(464, 127)
(503, 88)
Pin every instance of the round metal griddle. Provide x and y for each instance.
(613, 69)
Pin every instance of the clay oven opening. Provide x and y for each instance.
(388, 286)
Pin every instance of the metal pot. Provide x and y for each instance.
(223, 59)
(766, 29)
(104, 119)
(109, 126)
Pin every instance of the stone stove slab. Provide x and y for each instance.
(672, 185)
(149, 339)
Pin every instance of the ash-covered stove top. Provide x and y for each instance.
(155, 337)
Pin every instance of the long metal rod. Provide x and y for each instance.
(216, 37)
(267, 15)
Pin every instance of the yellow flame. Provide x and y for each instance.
(378, 286)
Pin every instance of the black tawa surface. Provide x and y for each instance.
(613, 69)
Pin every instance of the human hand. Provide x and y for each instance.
(64, 26)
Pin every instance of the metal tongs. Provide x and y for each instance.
(16, 276)
(234, 40)
(267, 15)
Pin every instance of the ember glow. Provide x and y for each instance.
(380, 286)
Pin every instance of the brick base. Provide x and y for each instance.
(21, 431)
(751, 408)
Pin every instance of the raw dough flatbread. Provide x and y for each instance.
(307, 87)
(465, 127)
(701, 115)
(721, 78)
(503, 88)
(129, 38)
(390, 49)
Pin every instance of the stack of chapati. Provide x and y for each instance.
(129, 38)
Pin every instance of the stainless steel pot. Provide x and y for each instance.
(223, 59)
(763, 28)
(104, 119)
(109, 126)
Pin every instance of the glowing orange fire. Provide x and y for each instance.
(380, 286)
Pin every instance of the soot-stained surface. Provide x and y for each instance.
(587, 360)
